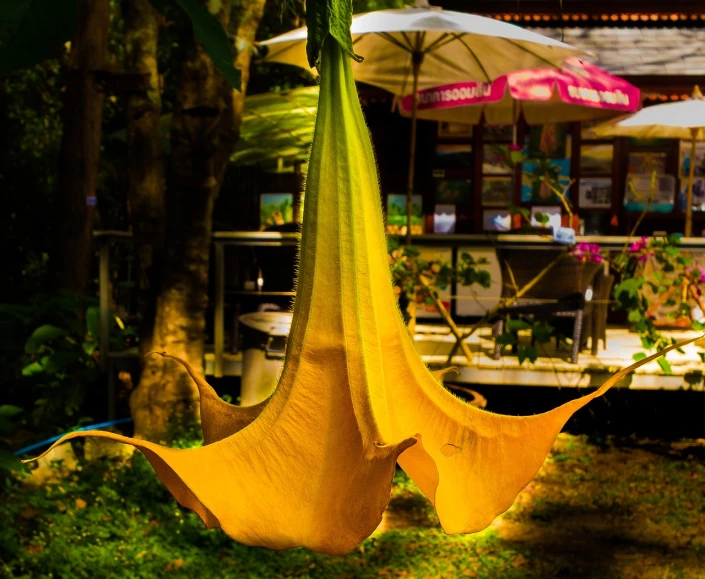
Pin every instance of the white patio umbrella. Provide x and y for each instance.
(424, 46)
(683, 120)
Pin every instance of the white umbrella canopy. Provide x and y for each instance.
(423, 46)
(680, 120)
(453, 47)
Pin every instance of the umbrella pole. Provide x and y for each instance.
(416, 66)
(691, 179)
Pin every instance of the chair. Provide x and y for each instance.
(559, 293)
(598, 309)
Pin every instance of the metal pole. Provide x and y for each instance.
(416, 58)
(691, 178)
(219, 321)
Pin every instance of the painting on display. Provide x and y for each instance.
(444, 219)
(553, 214)
(453, 156)
(494, 160)
(498, 133)
(533, 190)
(453, 191)
(550, 141)
(684, 159)
(595, 193)
(446, 129)
(496, 220)
(429, 310)
(396, 214)
(698, 193)
(646, 163)
(275, 209)
(596, 159)
(497, 191)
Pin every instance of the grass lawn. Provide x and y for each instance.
(617, 509)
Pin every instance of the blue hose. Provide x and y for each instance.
(55, 438)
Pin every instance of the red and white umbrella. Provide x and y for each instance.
(577, 91)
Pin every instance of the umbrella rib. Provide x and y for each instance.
(474, 56)
(440, 42)
(389, 38)
(520, 47)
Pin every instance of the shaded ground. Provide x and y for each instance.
(629, 509)
(626, 508)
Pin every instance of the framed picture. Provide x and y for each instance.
(396, 214)
(596, 159)
(494, 133)
(496, 220)
(532, 190)
(494, 160)
(698, 193)
(646, 163)
(595, 193)
(497, 191)
(684, 159)
(553, 213)
(446, 129)
(453, 156)
(275, 209)
(453, 191)
(548, 141)
(444, 219)
(426, 310)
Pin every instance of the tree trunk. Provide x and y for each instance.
(205, 127)
(145, 161)
(80, 149)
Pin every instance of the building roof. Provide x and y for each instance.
(630, 52)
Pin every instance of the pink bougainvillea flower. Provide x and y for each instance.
(312, 466)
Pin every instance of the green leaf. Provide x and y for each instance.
(328, 17)
(527, 353)
(210, 33)
(34, 30)
(59, 360)
(698, 326)
(8, 410)
(93, 321)
(516, 325)
(506, 339)
(665, 365)
(32, 369)
(702, 356)
(542, 332)
(635, 316)
(41, 336)
(639, 356)
(9, 461)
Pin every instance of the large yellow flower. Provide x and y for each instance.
(313, 465)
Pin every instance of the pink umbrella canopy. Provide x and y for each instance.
(578, 91)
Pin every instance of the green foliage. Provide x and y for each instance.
(212, 36)
(116, 520)
(32, 31)
(672, 283)
(419, 279)
(541, 333)
(328, 17)
(50, 360)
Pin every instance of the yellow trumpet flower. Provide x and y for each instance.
(312, 466)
